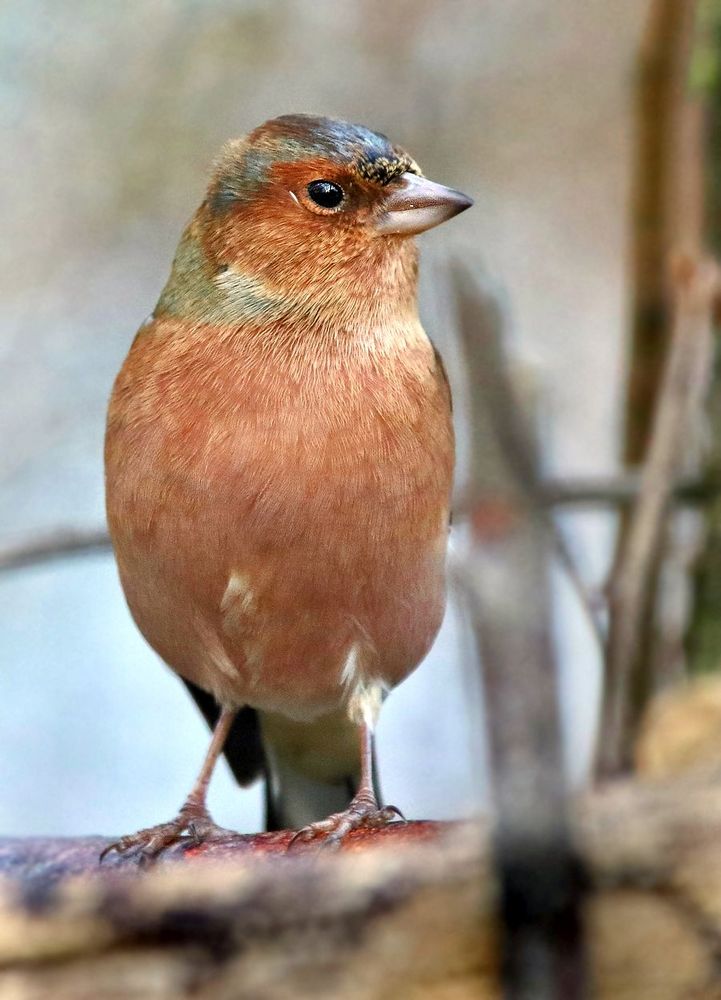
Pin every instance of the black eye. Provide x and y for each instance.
(327, 194)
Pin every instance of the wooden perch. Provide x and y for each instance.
(38, 864)
(399, 921)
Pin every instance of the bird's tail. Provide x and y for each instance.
(312, 769)
(294, 800)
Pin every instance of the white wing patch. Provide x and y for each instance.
(351, 668)
(221, 661)
(238, 594)
(364, 695)
(238, 606)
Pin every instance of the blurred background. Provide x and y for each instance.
(111, 116)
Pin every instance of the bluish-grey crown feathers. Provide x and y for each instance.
(244, 166)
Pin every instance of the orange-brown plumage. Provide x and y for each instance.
(279, 448)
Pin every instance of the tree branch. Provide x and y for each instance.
(695, 289)
(56, 544)
(503, 579)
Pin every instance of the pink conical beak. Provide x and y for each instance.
(414, 204)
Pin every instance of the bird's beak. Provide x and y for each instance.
(414, 204)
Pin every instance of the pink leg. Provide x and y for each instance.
(363, 810)
(193, 818)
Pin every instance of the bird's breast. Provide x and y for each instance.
(282, 498)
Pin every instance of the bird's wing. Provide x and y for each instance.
(442, 376)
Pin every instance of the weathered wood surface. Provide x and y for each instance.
(38, 864)
(242, 918)
(412, 918)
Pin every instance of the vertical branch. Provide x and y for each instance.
(703, 641)
(504, 582)
(668, 209)
(695, 288)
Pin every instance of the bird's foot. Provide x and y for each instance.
(362, 813)
(193, 826)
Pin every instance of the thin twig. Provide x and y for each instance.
(56, 544)
(591, 491)
(695, 287)
(504, 585)
(619, 491)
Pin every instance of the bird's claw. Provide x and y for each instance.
(362, 813)
(193, 829)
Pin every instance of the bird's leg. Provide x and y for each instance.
(193, 818)
(363, 810)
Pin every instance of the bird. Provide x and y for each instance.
(279, 459)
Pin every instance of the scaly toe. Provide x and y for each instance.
(147, 844)
(206, 831)
(359, 815)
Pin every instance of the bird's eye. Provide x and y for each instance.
(327, 194)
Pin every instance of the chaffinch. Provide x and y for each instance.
(279, 456)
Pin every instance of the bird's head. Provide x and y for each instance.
(315, 210)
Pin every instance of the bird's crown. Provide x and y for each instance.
(245, 165)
